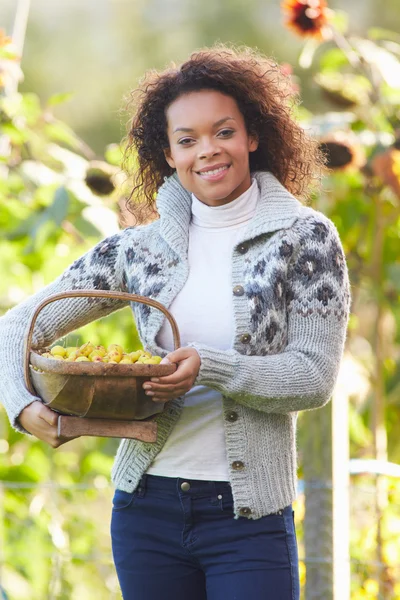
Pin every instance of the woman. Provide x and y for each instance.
(258, 284)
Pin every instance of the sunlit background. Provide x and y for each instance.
(62, 190)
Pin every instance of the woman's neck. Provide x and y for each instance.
(238, 211)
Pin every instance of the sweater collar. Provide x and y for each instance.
(277, 209)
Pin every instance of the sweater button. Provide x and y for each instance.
(245, 511)
(243, 248)
(238, 290)
(232, 416)
(245, 338)
(237, 465)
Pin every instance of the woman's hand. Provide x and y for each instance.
(162, 389)
(41, 422)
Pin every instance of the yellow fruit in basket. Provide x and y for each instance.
(58, 351)
(70, 349)
(146, 353)
(86, 349)
(47, 355)
(125, 361)
(82, 359)
(97, 358)
(115, 348)
(93, 354)
(73, 356)
(57, 357)
(101, 350)
(114, 356)
(135, 355)
(154, 360)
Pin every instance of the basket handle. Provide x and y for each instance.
(95, 294)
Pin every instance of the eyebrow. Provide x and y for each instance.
(217, 124)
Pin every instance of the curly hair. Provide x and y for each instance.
(265, 97)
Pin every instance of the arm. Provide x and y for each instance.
(100, 268)
(303, 375)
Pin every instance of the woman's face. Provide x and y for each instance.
(209, 146)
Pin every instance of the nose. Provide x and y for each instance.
(208, 148)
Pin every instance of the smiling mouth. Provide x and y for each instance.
(213, 172)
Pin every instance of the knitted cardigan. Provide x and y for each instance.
(291, 302)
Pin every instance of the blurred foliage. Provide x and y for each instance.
(51, 212)
(360, 135)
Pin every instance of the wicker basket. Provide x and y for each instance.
(97, 393)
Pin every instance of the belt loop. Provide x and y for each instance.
(141, 488)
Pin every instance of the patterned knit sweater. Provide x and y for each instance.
(291, 304)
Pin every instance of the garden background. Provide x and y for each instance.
(63, 79)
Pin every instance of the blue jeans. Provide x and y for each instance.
(176, 539)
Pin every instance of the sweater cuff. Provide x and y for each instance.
(217, 367)
(14, 409)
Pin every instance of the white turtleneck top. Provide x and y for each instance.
(204, 312)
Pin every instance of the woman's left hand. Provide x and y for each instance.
(162, 389)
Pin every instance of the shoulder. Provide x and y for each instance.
(130, 235)
(318, 252)
(108, 252)
(314, 228)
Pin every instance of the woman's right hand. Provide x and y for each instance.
(41, 422)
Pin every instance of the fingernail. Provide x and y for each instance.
(146, 386)
(165, 361)
(154, 380)
(149, 393)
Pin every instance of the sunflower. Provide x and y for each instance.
(100, 177)
(386, 165)
(342, 151)
(307, 17)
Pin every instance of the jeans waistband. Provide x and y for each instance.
(197, 488)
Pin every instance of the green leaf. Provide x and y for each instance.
(8, 54)
(59, 132)
(332, 60)
(30, 108)
(85, 228)
(113, 154)
(16, 135)
(49, 218)
(379, 33)
(25, 227)
(59, 209)
(340, 21)
(57, 99)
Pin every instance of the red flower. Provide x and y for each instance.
(307, 17)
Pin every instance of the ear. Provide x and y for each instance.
(253, 143)
(168, 157)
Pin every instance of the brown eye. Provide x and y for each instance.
(226, 132)
(185, 141)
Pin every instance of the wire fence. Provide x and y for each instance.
(55, 542)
